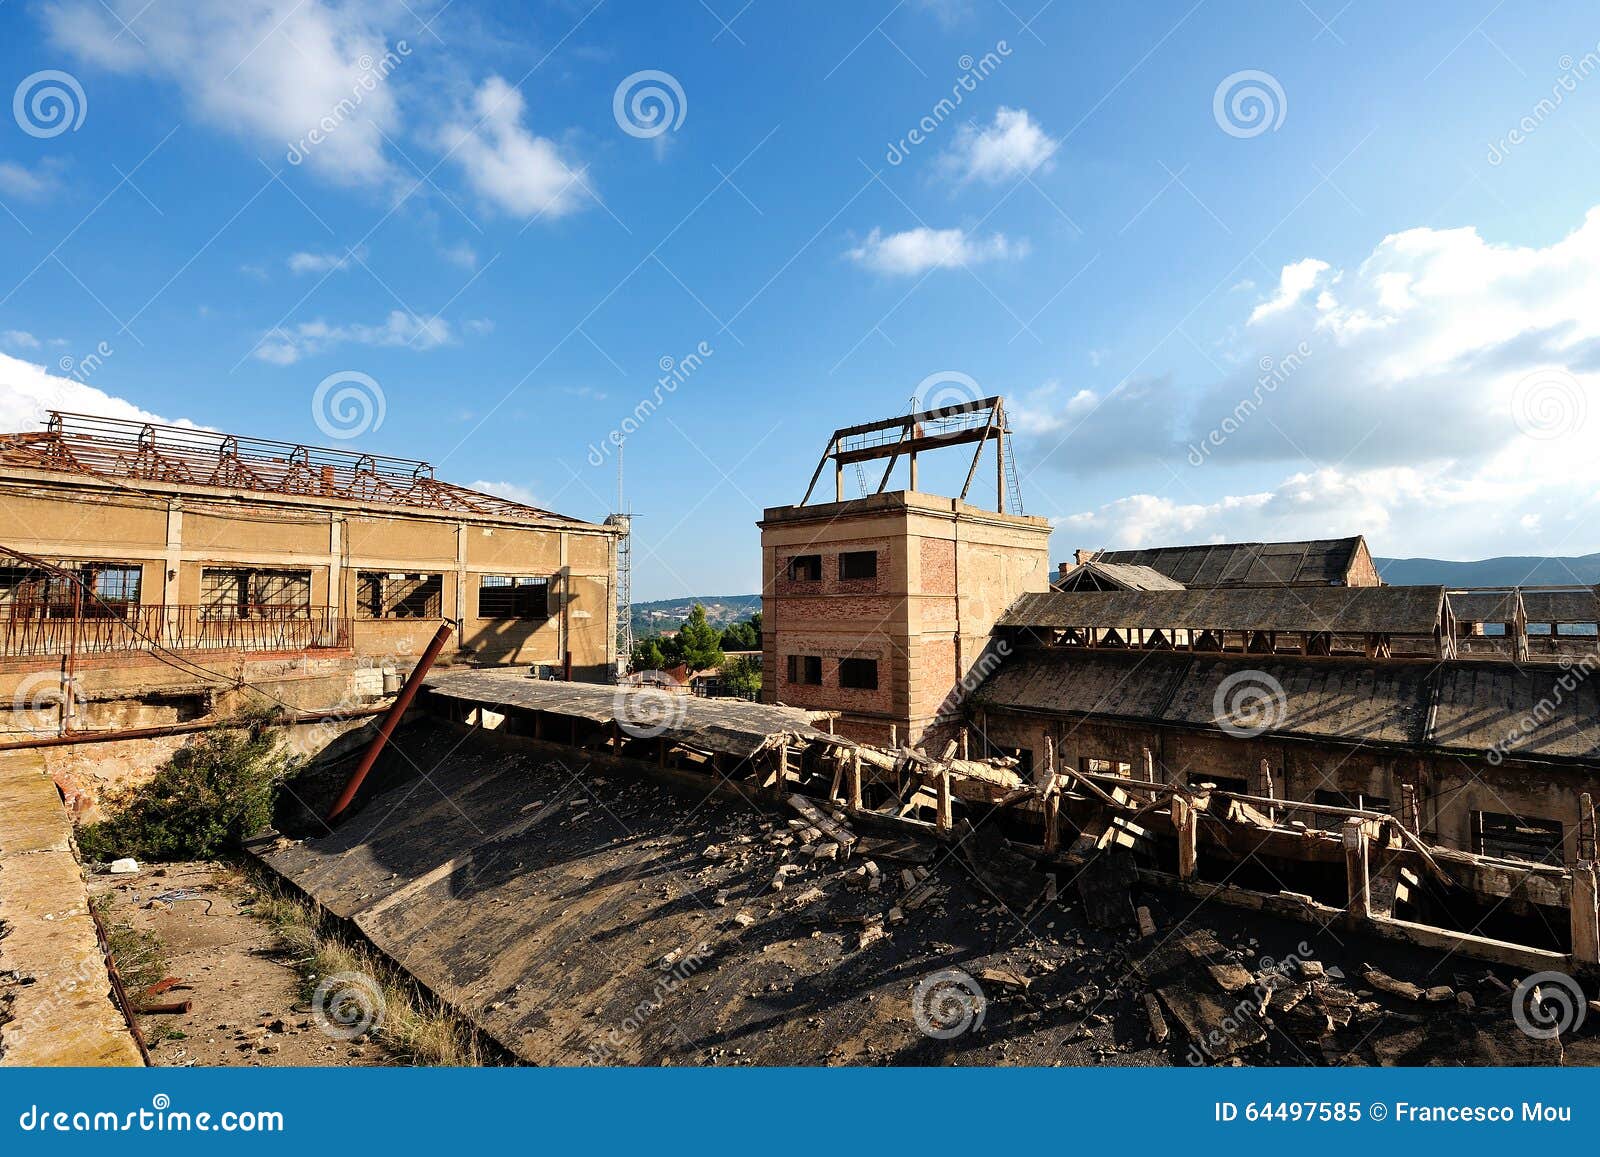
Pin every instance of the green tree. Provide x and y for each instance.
(647, 656)
(742, 676)
(699, 642)
(739, 637)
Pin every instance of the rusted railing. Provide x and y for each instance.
(55, 631)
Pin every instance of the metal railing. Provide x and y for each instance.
(55, 630)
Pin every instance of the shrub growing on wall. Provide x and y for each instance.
(207, 799)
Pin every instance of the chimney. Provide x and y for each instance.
(1084, 556)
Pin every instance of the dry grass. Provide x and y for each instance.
(416, 1029)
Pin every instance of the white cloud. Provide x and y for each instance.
(463, 255)
(508, 490)
(478, 326)
(1011, 146)
(1293, 284)
(27, 184)
(918, 250)
(265, 70)
(1446, 403)
(506, 164)
(19, 339)
(323, 262)
(27, 391)
(285, 346)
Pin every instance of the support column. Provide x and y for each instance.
(172, 561)
(1359, 905)
(1585, 914)
(855, 780)
(1185, 822)
(1052, 816)
(946, 808)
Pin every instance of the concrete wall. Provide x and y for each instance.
(174, 533)
(945, 572)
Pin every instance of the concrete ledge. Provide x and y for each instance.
(59, 1009)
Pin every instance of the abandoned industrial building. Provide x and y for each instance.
(1127, 744)
(304, 566)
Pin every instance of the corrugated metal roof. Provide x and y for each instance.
(1376, 610)
(1314, 562)
(729, 726)
(1562, 606)
(1125, 576)
(1533, 712)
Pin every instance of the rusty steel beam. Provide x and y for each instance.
(402, 701)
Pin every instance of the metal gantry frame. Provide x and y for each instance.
(964, 423)
(124, 448)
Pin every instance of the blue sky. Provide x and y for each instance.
(1362, 299)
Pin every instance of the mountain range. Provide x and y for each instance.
(1509, 570)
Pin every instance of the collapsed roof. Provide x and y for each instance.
(1314, 562)
(725, 726)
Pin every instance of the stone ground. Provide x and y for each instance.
(56, 1005)
(582, 913)
(247, 1009)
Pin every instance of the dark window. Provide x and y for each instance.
(95, 589)
(805, 669)
(805, 568)
(858, 564)
(246, 592)
(513, 597)
(1508, 837)
(381, 595)
(1350, 799)
(859, 674)
(1221, 782)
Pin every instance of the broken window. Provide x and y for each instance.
(513, 597)
(384, 595)
(1509, 837)
(805, 568)
(247, 592)
(1220, 782)
(1356, 800)
(805, 669)
(107, 589)
(859, 674)
(858, 564)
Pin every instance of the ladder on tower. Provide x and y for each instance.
(1013, 483)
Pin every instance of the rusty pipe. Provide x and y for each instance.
(165, 729)
(402, 701)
